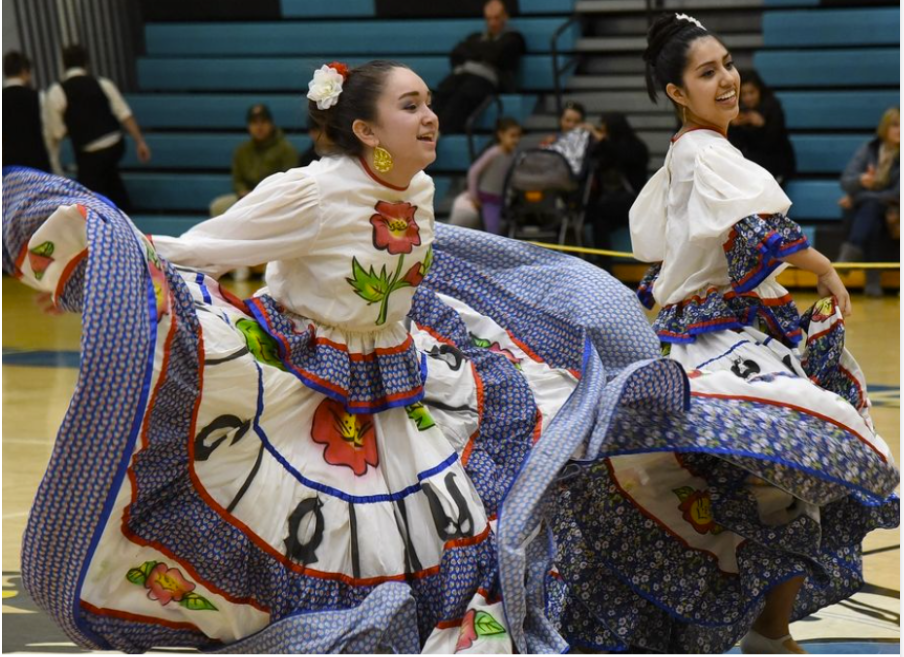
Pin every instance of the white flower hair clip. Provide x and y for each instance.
(325, 87)
(690, 19)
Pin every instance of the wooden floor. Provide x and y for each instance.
(40, 360)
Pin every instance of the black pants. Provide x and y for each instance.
(99, 172)
(457, 97)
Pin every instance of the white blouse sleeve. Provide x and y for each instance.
(278, 220)
(728, 188)
(648, 219)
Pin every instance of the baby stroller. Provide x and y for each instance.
(547, 190)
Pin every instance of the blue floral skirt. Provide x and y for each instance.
(557, 484)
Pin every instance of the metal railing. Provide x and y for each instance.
(473, 118)
(557, 71)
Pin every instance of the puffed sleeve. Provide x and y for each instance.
(728, 188)
(279, 220)
(647, 219)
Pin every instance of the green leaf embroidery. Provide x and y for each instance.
(421, 416)
(428, 262)
(44, 249)
(140, 575)
(195, 602)
(486, 625)
(480, 342)
(368, 285)
(684, 492)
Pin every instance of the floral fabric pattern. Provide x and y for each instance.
(165, 585)
(350, 439)
(720, 311)
(756, 244)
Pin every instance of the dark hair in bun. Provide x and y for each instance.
(668, 41)
(358, 100)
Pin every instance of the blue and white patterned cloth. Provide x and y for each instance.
(548, 435)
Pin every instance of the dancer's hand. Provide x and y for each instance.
(44, 301)
(829, 284)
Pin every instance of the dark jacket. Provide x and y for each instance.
(502, 53)
(23, 135)
(866, 155)
(769, 146)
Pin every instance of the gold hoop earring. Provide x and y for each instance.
(382, 160)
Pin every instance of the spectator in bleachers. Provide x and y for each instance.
(483, 64)
(92, 111)
(486, 179)
(620, 161)
(24, 138)
(267, 152)
(759, 132)
(872, 180)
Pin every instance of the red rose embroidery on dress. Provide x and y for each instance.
(350, 440)
(395, 229)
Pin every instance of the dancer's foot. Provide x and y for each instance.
(755, 643)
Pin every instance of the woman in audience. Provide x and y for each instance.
(621, 160)
(873, 185)
(759, 130)
(486, 178)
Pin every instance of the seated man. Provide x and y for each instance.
(267, 152)
(482, 64)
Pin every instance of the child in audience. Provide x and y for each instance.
(486, 178)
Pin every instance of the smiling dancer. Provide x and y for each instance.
(318, 468)
(717, 227)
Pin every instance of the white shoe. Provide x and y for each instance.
(755, 643)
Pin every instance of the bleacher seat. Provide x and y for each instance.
(367, 8)
(814, 199)
(854, 67)
(193, 192)
(408, 37)
(832, 27)
(824, 153)
(842, 110)
(214, 151)
(269, 74)
(227, 111)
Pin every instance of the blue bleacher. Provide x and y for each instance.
(332, 9)
(845, 110)
(191, 193)
(815, 199)
(214, 151)
(849, 67)
(836, 69)
(822, 153)
(293, 73)
(367, 8)
(407, 37)
(832, 27)
(227, 111)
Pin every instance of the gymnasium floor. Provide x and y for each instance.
(40, 360)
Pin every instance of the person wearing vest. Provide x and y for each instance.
(23, 133)
(92, 112)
